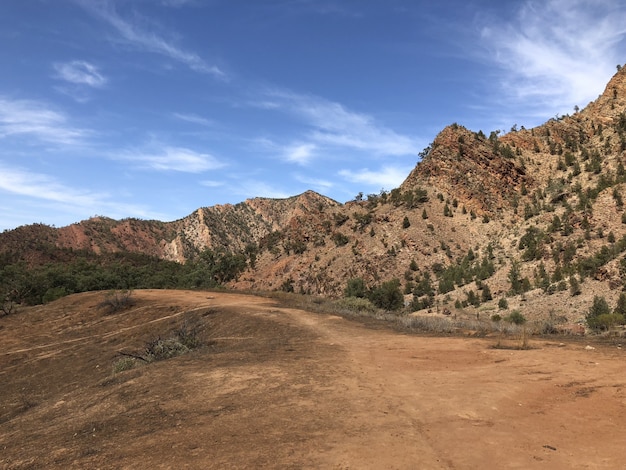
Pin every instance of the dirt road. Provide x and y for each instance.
(283, 388)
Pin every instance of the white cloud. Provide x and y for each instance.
(558, 53)
(148, 40)
(253, 188)
(59, 197)
(35, 119)
(300, 153)
(80, 72)
(318, 184)
(174, 159)
(193, 118)
(386, 177)
(331, 124)
(212, 183)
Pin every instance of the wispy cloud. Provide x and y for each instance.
(63, 198)
(174, 159)
(148, 40)
(332, 124)
(194, 119)
(558, 53)
(300, 153)
(80, 72)
(212, 183)
(253, 188)
(37, 120)
(318, 184)
(177, 3)
(387, 177)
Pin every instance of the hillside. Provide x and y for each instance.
(545, 204)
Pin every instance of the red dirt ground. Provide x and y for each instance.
(282, 388)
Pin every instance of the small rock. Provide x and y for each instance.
(589, 348)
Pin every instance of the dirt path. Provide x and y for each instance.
(284, 388)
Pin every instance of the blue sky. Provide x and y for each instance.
(153, 108)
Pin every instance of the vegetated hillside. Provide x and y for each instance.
(534, 217)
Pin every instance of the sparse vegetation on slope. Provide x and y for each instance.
(484, 219)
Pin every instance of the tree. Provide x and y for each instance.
(620, 308)
(516, 318)
(486, 294)
(406, 223)
(574, 286)
(600, 308)
(388, 296)
(355, 288)
(515, 278)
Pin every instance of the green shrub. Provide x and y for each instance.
(388, 296)
(125, 363)
(356, 304)
(516, 318)
(355, 288)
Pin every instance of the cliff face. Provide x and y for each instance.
(548, 198)
(481, 173)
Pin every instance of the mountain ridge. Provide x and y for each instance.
(529, 197)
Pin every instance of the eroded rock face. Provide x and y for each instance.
(472, 169)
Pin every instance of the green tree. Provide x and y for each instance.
(486, 296)
(515, 278)
(355, 288)
(388, 295)
(516, 317)
(600, 308)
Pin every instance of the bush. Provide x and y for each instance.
(159, 349)
(53, 294)
(388, 296)
(516, 318)
(355, 288)
(599, 316)
(503, 304)
(340, 239)
(356, 304)
(125, 363)
(117, 300)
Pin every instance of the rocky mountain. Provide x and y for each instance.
(534, 216)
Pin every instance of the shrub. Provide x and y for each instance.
(53, 294)
(388, 296)
(355, 288)
(340, 239)
(117, 300)
(159, 349)
(516, 318)
(503, 304)
(125, 363)
(356, 304)
(599, 316)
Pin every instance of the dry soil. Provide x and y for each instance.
(275, 387)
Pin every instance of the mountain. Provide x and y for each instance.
(534, 215)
